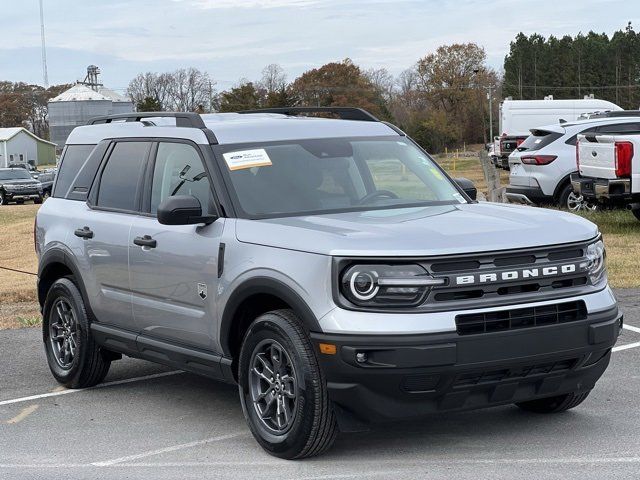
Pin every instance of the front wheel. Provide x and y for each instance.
(282, 388)
(38, 200)
(75, 360)
(3, 199)
(636, 213)
(560, 403)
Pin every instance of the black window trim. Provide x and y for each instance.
(92, 198)
(145, 207)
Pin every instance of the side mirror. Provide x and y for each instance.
(468, 187)
(182, 210)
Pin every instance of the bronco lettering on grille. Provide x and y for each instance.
(520, 274)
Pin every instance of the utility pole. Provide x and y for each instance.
(45, 76)
(490, 98)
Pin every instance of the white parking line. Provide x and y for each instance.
(631, 328)
(160, 451)
(626, 347)
(101, 385)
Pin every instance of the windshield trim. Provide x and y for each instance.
(219, 149)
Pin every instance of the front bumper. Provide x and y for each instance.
(409, 376)
(603, 190)
(22, 195)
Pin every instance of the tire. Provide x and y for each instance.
(312, 426)
(560, 403)
(3, 200)
(38, 200)
(19, 202)
(87, 365)
(636, 213)
(568, 200)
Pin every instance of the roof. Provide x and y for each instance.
(232, 128)
(561, 127)
(9, 133)
(113, 96)
(78, 93)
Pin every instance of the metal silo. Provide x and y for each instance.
(83, 101)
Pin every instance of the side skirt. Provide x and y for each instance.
(189, 359)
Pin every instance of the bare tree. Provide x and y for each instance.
(383, 81)
(273, 79)
(186, 89)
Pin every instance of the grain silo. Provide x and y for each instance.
(82, 102)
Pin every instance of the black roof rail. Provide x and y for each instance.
(183, 119)
(345, 113)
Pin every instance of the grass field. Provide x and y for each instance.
(18, 306)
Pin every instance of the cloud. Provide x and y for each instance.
(231, 4)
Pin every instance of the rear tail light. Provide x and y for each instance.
(538, 159)
(624, 154)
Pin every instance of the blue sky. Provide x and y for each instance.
(232, 39)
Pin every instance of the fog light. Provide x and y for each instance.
(361, 357)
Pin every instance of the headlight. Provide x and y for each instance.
(595, 263)
(386, 285)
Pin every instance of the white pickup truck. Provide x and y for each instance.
(609, 169)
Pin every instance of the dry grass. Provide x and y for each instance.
(469, 167)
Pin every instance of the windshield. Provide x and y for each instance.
(14, 174)
(333, 175)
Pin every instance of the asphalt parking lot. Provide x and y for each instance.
(148, 422)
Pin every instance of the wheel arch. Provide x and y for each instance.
(251, 299)
(54, 264)
(566, 180)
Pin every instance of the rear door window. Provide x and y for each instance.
(72, 161)
(121, 177)
(619, 128)
(538, 139)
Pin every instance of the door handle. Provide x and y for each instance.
(84, 232)
(145, 241)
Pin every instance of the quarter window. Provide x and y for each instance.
(121, 176)
(179, 171)
(72, 161)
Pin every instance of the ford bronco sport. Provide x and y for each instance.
(327, 265)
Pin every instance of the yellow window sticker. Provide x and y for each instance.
(247, 159)
(436, 173)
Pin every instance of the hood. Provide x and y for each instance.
(423, 231)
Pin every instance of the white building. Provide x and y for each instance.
(19, 145)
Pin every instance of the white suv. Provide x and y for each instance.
(541, 166)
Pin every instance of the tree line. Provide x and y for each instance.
(571, 67)
(440, 101)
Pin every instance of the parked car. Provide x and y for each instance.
(542, 165)
(16, 185)
(329, 267)
(518, 117)
(609, 169)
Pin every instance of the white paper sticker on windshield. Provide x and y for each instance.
(247, 159)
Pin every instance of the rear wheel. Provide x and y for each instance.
(573, 202)
(75, 360)
(282, 388)
(560, 403)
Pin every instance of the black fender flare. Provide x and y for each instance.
(264, 285)
(55, 256)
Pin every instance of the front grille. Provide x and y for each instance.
(490, 288)
(492, 376)
(498, 321)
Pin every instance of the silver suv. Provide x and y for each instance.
(327, 265)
